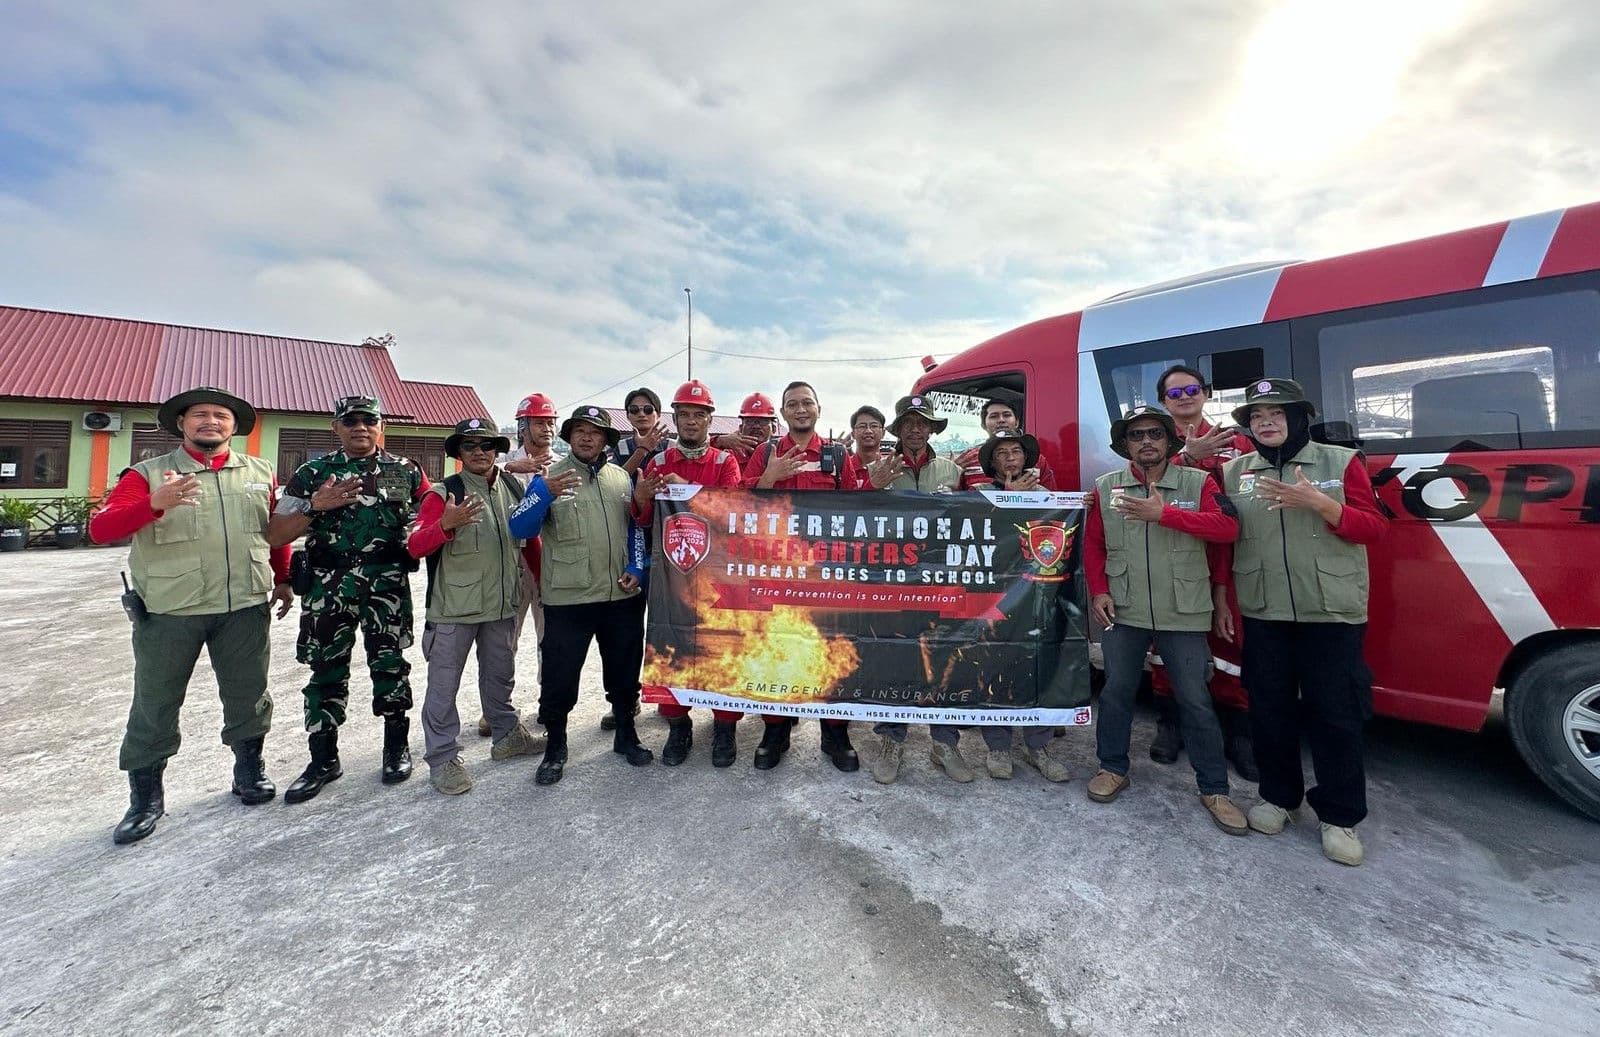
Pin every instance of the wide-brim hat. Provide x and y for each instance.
(1119, 429)
(475, 428)
(599, 417)
(920, 406)
(244, 415)
(1030, 449)
(1279, 392)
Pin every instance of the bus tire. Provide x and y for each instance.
(1550, 706)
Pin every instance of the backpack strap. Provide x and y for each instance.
(454, 487)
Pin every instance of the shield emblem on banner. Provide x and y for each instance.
(1046, 545)
(685, 540)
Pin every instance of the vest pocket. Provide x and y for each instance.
(175, 583)
(260, 569)
(1193, 593)
(1343, 585)
(178, 525)
(1250, 583)
(1117, 576)
(466, 539)
(567, 564)
(464, 591)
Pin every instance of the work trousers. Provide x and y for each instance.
(949, 734)
(997, 739)
(165, 650)
(531, 602)
(1309, 680)
(1185, 654)
(445, 646)
(618, 628)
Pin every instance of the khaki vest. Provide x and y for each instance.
(1288, 565)
(211, 557)
(1159, 577)
(940, 473)
(585, 538)
(478, 577)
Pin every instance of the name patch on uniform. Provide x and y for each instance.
(262, 486)
(1184, 505)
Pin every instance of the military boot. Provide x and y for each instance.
(836, 747)
(680, 739)
(625, 742)
(146, 803)
(396, 748)
(1236, 743)
(323, 768)
(724, 743)
(555, 754)
(250, 781)
(774, 743)
(1169, 736)
(609, 721)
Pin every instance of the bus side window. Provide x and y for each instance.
(1135, 384)
(1228, 373)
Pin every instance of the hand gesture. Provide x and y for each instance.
(530, 465)
(283, 594)
(886, 470)
(336, 493)
(1141, 509)
(1103, 610)
(1211, 444)
(1027, 479)
(649, 484)
(1302, 493)
(650, 441)
(628, 582)
(783, 465)
(563, 482)
(175, 491)
(458, 513)
(737, 442)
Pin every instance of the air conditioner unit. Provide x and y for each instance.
(102, 421)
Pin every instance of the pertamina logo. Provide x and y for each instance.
(1047, 544)
(686, 540)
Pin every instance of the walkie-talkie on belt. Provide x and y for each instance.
(132, 604)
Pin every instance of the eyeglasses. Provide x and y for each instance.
(352, 420)
(1178, 392)
(643, 408)
(475, 445)
(1155, 435)
(867, 426)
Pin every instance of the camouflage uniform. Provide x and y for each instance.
(360, 571)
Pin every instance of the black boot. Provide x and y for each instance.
(680, 739)
(146, 803)
(396, 750)
(555, 755)
(323, 768)
(836, 747)
(1169, 736)
(250, 781)
(609, 721)
(724, 743)
(774, 743)
(626, 742)
(1236, 743)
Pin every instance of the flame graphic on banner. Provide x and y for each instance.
(780, 647)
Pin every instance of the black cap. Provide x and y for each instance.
(599, 417)
(476, 428)
(1119, 429)
(244, 415)
(1280, 392)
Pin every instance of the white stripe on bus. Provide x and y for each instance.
(1523, 248)
(1231, 302)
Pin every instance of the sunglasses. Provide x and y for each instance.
(642, 409)
(1155, 435)
(352, 420)
(1180, 391)
(475, 445)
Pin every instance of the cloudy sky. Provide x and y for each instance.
(521, 191)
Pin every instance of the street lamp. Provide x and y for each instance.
(690, 296)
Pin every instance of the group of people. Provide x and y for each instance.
(1209, 542)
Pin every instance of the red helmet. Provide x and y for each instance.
(693, 393)
(758, 405)
(536, 405)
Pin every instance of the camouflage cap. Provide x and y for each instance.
(360, 404)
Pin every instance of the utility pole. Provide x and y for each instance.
(690, 296)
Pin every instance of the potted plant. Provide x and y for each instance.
(74, 521)
(15, 514)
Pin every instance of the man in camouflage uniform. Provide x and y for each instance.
(353, 506)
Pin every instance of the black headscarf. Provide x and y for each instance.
(1299, 423)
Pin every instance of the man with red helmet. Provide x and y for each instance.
(692, 459)
(758, 424)
(799, 461)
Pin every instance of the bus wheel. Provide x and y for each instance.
(1553, 711)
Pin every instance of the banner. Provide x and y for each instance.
(961, 608)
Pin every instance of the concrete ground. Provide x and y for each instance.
(794, 901)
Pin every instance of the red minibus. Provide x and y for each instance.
(1467, 367)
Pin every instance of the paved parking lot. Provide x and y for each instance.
(797, 900)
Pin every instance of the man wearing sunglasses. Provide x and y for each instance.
(1183, 391)
(474, 599)
(353, 507)
(1146, 527)
(649, 433)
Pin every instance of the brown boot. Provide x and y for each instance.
(1228, 817)
(1105, 786)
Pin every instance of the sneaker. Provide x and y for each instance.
(1269, 818)
(1105, 786)
(886, 765)
(1228, 817)
(949, 758)
(999, 764)
(451, 778)
(517, 742)
(1050, 768)
(1342, 845)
